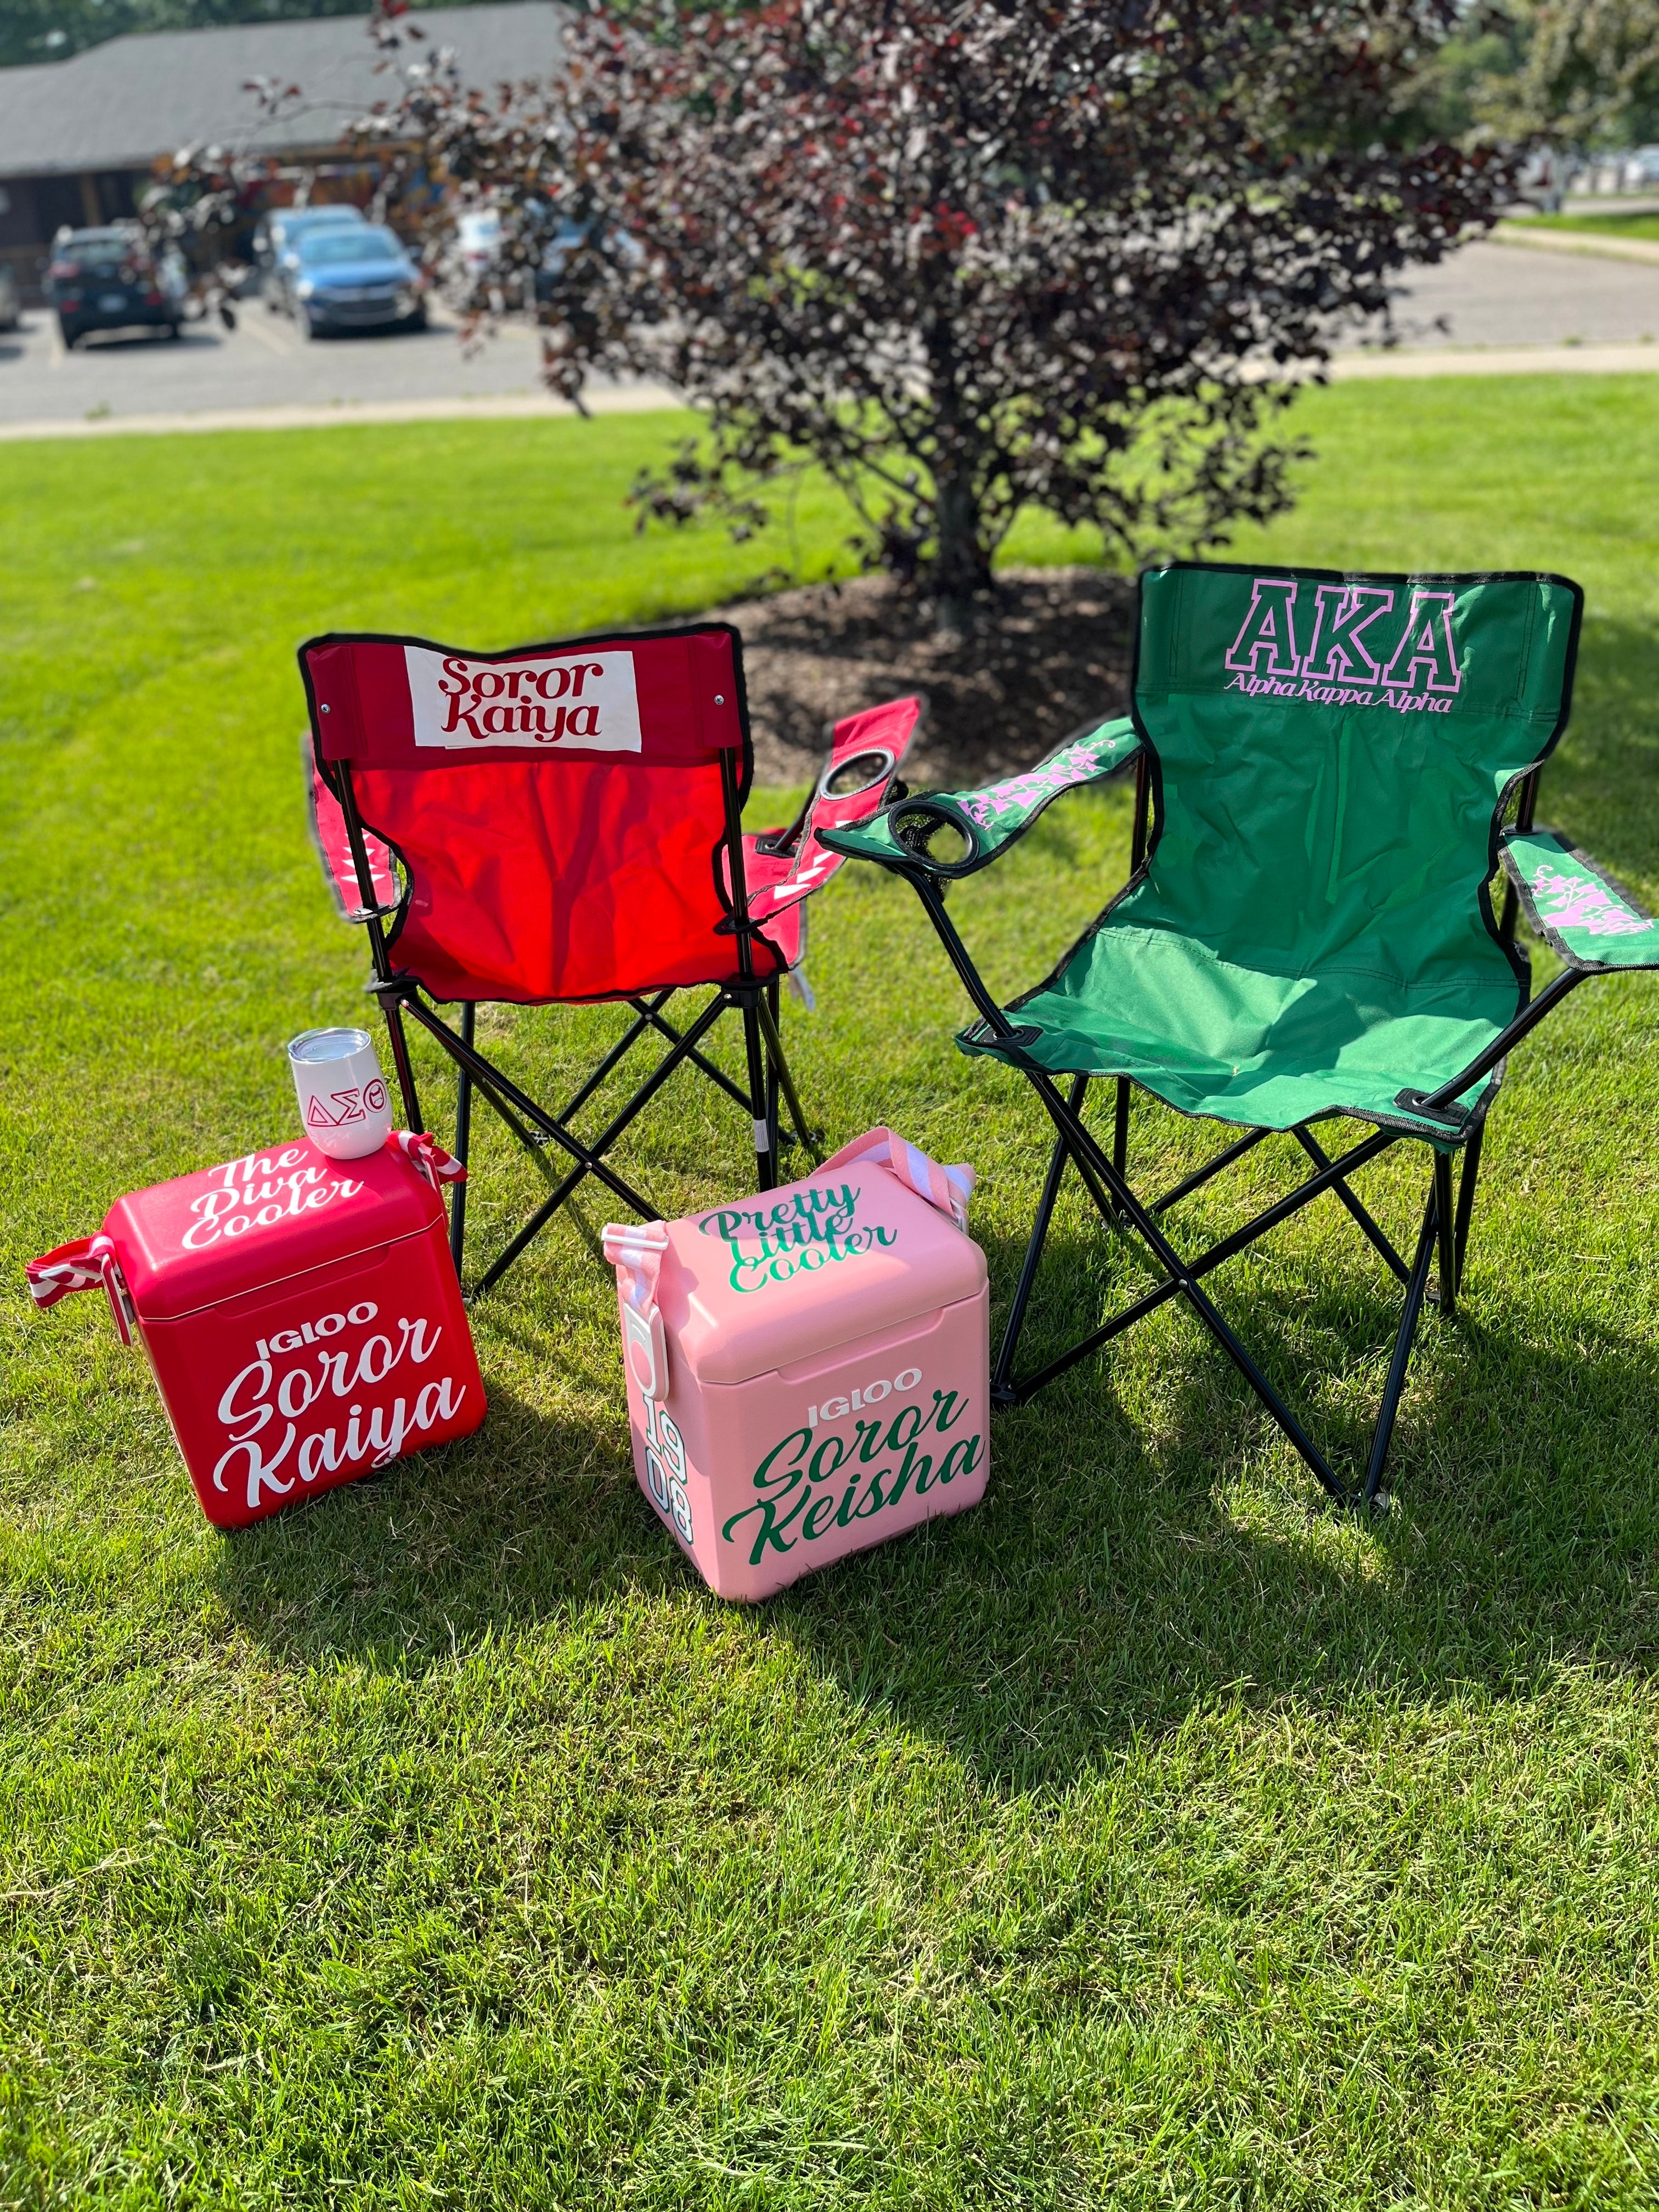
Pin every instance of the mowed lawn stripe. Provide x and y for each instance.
(1149, 1836)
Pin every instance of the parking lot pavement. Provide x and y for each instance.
(1514, 295)
(264, 362)
(1510, 301)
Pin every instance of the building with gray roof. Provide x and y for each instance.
(78, 137)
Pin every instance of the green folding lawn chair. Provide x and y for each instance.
(1325, 765)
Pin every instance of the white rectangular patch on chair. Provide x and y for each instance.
(575, 701)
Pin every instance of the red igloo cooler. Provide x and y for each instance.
(302, 1315)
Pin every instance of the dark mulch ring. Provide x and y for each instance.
(1051, 656)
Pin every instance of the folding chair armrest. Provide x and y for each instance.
(1582, 913)
(330, 837)
(990, 819)
(783, 867)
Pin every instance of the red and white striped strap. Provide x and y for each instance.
(85, 1265)
(947, 1188)
(429, 1155)
(636, 1249)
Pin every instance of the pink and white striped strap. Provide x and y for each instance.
(429, 1155)
(85, 1265)
(949, 1189)
(637, 1248)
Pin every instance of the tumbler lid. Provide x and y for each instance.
(311, 1046)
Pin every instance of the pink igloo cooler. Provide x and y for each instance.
(301, 1315)
(808, 1371)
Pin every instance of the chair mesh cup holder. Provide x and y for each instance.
(918, 823)
(870, 775)
(863, 772)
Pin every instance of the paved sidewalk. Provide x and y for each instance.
(1491, 295)
(1563, 359)
(642, 398)
(1607, 244)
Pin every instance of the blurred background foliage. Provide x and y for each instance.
(1580, 73)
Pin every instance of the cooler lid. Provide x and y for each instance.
(767, 1281)
(202, 1239)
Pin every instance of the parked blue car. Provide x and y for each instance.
(354, 278)
(277, 235)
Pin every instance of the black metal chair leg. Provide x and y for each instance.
(1087, 1152)
(1466, 1184)
(589, 1160)
(1121, 1127)
(463, 1138)
(403, 1063)
(618, 1052)
(765, 1137)
(1382, 1435)
(769, 1029)
(497, 1086)
(1016, 1320)
(1356, 1207)
(1183, 1278)
(1446, 1220)
(780, 1061)
(1221, 1330)
(1213, 1166)
(651, 1014)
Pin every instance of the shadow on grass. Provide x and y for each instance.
(1113, 1583)
(512, 1525)
(1118, 1576)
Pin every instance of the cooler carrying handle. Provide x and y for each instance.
(946, 1189)
(635, 1250)
(84, 1265)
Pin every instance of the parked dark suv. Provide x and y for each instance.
(106, 280)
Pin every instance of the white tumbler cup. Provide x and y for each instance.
(343, 1096)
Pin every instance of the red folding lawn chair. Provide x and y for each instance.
(563, 824)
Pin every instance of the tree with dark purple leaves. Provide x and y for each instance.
(965, 256)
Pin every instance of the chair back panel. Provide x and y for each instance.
(560, 811)
(1332, 752)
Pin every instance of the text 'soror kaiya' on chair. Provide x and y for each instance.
(563, 824)
(1326, 765)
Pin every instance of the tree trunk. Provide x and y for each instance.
(961, 566)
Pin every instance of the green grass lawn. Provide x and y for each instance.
(1149, 1837)
(1615, 223)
